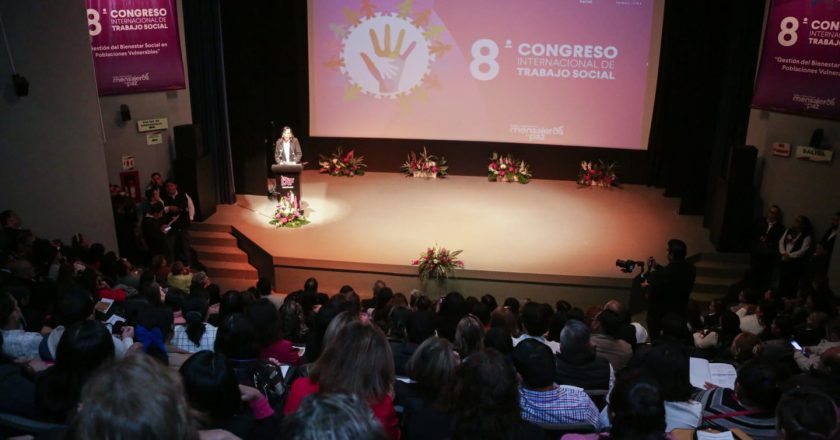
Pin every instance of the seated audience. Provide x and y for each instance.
(499, 339)
(357, 361)
(809, 357)
(577, 363)
(17, 391)
(212, 391)
(746, 346)
(84, 347)
(237, 340)
(750, 406)
(135, 398)
(637, 411)
(535, 319)
(292, 323)
(541, 400)
(469, 336)
(17, 343)
(270, 339)
(483, 399)
(628, 330)
(806, 415)
(196, 334)
(668, 364)
(430, 368)
(605, 330)
(334, 417)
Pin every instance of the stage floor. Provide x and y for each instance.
(545, 227)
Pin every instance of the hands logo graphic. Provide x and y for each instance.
(378, 64)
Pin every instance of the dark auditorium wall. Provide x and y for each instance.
(52, 158)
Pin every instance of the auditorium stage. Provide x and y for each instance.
(547, 239)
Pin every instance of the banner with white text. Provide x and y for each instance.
(136, 46)
(800, 65)
(554, 72)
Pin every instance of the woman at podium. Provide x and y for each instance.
(287, 148)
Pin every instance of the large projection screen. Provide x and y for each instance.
(554, 72)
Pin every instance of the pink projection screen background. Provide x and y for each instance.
(556, 72)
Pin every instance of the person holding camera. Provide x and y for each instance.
(668, 288)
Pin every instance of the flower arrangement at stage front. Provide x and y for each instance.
(508, 169)
(598, 174)
(340, 164)
(288, 213)
(437, 263)
(425, 165)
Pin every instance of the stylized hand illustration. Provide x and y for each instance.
(387, 67)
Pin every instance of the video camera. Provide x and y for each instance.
(628, 266)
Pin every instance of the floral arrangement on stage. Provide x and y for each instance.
(340, 164)
(508, 169)
(288, 213)
(437, 263)
(425, 165)
(598, 174)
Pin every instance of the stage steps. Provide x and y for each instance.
(717, 273)
(218, 252)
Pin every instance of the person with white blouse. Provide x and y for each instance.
(794, 248)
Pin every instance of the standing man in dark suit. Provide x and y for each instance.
(287, 149)
(178, 219)
(765, 253)
(669, 287)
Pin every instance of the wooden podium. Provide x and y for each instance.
(287, 179)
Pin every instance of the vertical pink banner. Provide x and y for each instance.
(136, 46)
(800, 63)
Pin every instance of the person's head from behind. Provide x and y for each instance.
(636, 410)
(236, 337)
(195, 311)
(469, 336)
(806, 415)
(669, 364)
(535, 363)
(512, 304)
(420, 326)
(575, 340)
(432, 365)
(133, 398)
(73, 305)
(232, 302)
(333, 417)
(677, 250)
(310, 285)
(263, 286)
(675, 328)
(358, 361)
(535, 318)
(83, 347)
(338, 323)
(607, 323)
(210, 385)
(499, 339)
(746, 346)
(291, 319)
(484, 396)
(489, 301)
(503, 317)
(757, 385)
(266, 321)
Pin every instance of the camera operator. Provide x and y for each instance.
(669, 287)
